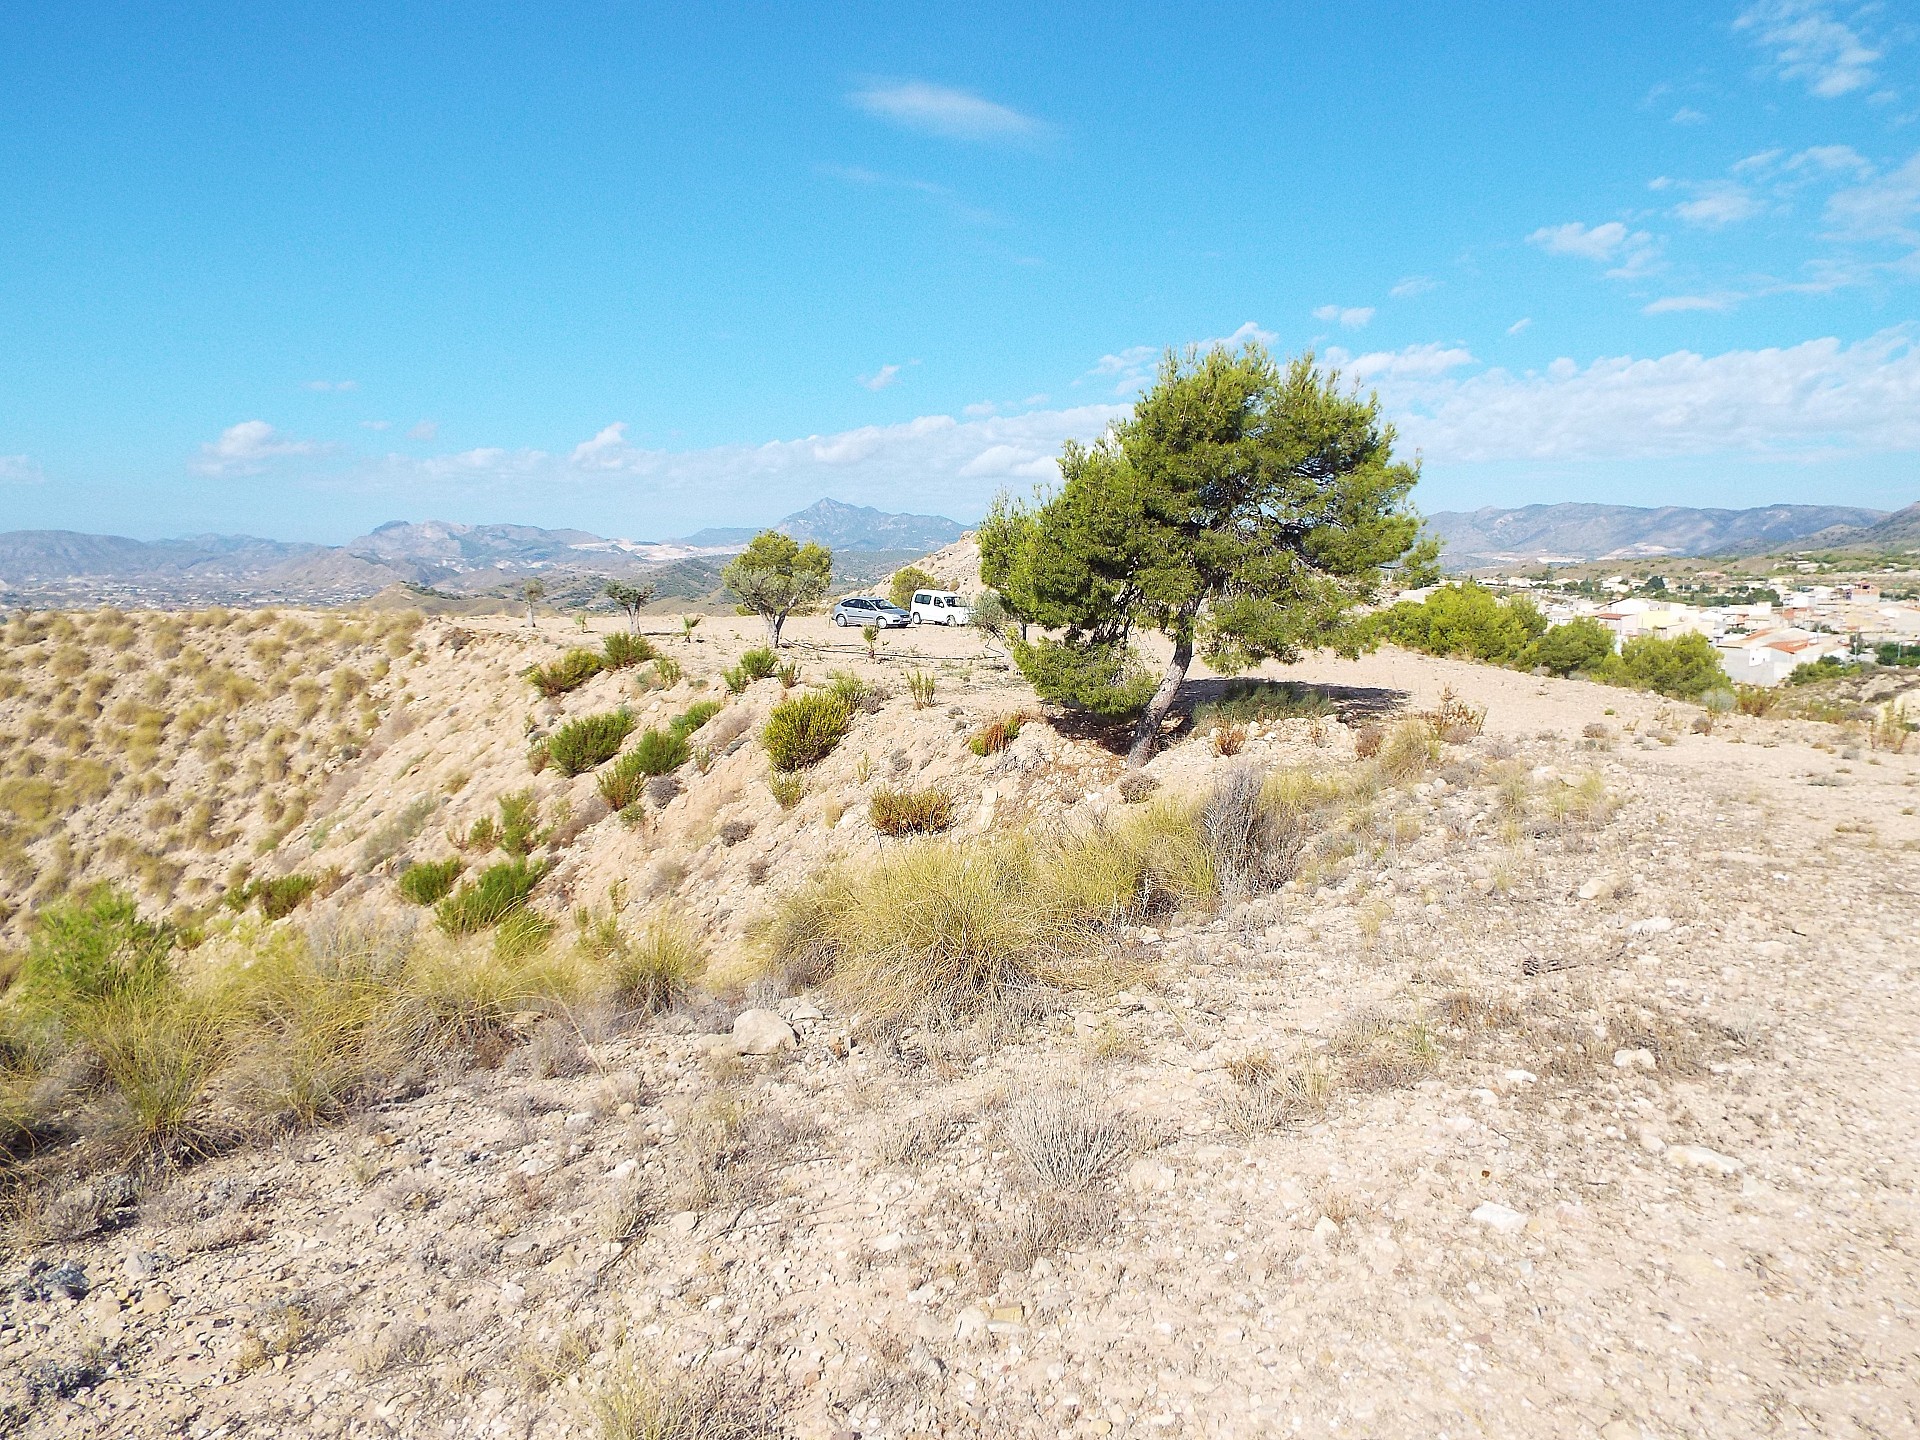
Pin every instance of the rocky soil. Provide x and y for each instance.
(1579, 1098)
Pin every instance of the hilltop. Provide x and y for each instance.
(1543, 534)
(1551, 1017)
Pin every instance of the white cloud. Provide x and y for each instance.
(1130, 367)
(1415, 362)
(1828, 158)
(425, 430)
(1718, 203)
(604, 451)
(1350, 317)
(376, 424)
(1687, 115)
(942, 110)
(880, 379)
(20, 470)
(1010, 462)
(329, 386)
(1810, 44)
(1886, 208)
(1248, 331)
(1809, 400)
(1413, 285)
(249, 448)
(1519, 325)
(1631, 252)
(1668, 304)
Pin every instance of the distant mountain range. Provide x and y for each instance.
(1537, 534)
(462, 561)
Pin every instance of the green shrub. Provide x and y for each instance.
(760, 662)
(621, 650)
(788, 790)
(1685, 667)
(623, 782)
(489, 897)
(280, 895)
(569, 672)
(1581, 645)
(994, 736)
(92, 947)
(1108, 680)
(666, 672)
(804, 730)
(649, 972)
(1827, 667)
(1245, 700)
(855, 693)
(694, 716)
(910, 812)
(518, 831)
(428, 882)
(1467, 620)
(579, 746)
(659, 751)
(921, 685)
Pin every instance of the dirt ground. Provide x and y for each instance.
(1605, 1119)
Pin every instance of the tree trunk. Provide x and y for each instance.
(774, 622)
(1146, 735)
(529, 612)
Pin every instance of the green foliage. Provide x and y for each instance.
(1103, 677)
(853, 692)
(804, 730)
(994, 736)
(580, 745)
(519, 819)
(621, 650)
(624, 782)
(1241, 510)
(649, 972)
(776, 576)
(667, 672)
(489, 897)
(910, 812)
(430, 881)
(630, 598)
(93, 946)
(1244, 700)
(1467, 620)
(694, 716)
(659, 751)
(907, 580)
(920, 685)
(280, 895)
(1686, 667)
(756, 664)
(1579, 646)
(569, 672)
(787, 789)
(1827, 667)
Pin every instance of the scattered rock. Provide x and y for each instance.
(1636, 1059)
(1599, 887)
(1501, 1218)
(761, 1032)
(1699, 1157)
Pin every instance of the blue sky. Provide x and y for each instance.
(299, 269)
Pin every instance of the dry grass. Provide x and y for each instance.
(641, 1400)
(900, 812)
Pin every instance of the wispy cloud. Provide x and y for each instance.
(425, 430)
(1886, 208)
(326, 387)
(1687, 115)
(1413, 285)
(938, 195)
(944, 111)
(1672, 304)
(1812, 400)
(20, 470)
(1808, 43)
(249, 448)
(376, 424)
(1519, 325)
(1347, 317)
(1718, 203)
(1630, 252)
(1414, 362)
(880, 379)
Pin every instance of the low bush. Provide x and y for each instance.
(429, 881)
(1108, 681)
(995, 736)
(621, 650)
(910, 812)
(695, 715)
(921, 685)
(92, 947)
(1245, 701)
(569, 672)
(280, 895)
(650, 971)
(489, 897)
(666, 673)
(787, 790)
(582, 744)
(804, 730)
(623, 782)
(659, 751)
(855, 693)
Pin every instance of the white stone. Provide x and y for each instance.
(761, 1032)
(1502, 1218)
(1638, 1059)
(1600, 887)
(1698, 1157)
(1652, 925)
(1326, 1230)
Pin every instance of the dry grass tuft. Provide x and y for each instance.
(637, 1400)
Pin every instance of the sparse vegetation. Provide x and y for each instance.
(489, 897)
(804, 730)
(621, 650)
(583, 744)
(569, 672)
(430, 881)
(910, 812)
(920, 685)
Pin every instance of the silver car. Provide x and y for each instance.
(870, 610)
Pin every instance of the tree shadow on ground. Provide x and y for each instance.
(1351, 705)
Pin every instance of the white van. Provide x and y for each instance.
(939, 607)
